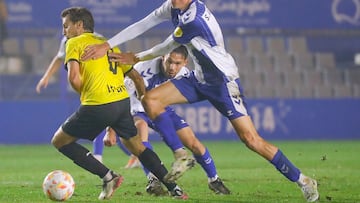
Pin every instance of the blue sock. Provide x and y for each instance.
(98, 144)
(122, 146)
(148, 145)
(207, 163)
(285, 167)
(167, 131)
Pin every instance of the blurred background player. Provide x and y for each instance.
(104, 102)
(155, 72)
(215, 78)
(98, 145)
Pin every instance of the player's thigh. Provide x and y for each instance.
(123, 124)
(166, 94)
(90, 120)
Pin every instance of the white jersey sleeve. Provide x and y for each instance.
(158, 50)
(61, 52)
(161, 14)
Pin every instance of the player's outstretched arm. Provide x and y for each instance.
(53, 68)
(129, 33)
(158, 50)
(128, 58)
(95, 51)
(138, 81)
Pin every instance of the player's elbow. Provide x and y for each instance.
(75, 84)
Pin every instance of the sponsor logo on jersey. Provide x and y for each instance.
(178, 32)
(112, 88)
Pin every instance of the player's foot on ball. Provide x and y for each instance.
(218, 187)
(110, 186)
(309, 189)
(177, 193)
(179, 167)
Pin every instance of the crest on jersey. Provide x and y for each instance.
(178, 32)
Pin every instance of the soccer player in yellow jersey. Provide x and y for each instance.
(104, 102)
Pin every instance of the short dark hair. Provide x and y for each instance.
(77, 14)
(181, 50)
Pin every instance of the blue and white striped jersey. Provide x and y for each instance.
(199, 31)
(153, 76)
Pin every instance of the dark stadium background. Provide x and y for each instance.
(299, 62)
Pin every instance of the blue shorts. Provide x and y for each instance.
(227, 97)
(178, 121)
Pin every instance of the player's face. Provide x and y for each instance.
(70, 29)
(172, 63)
(180, 4)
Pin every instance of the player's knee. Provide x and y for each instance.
(141, 124)
(56, 141)
(60, 139)
(150, 102)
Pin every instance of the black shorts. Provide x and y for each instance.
(89, 121)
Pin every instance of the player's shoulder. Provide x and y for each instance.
(149, 64)
(77, 39)
(164, 10)
(194, 12)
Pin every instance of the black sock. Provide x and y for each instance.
(152, 162)
(83, 158)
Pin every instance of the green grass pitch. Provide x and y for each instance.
(335, 165)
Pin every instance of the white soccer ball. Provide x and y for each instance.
(58, 185)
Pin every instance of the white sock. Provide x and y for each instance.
(213, 178)
(151, 176)
(301, 181)
(108, 176)
(180, 153)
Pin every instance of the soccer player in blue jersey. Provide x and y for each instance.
(156, 72)
(215, 78)
(104, 102)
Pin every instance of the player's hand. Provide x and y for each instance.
(95, 51)
(128, 58)
(43, 83)
(110, 137)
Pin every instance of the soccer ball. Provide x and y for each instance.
(58, 185)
